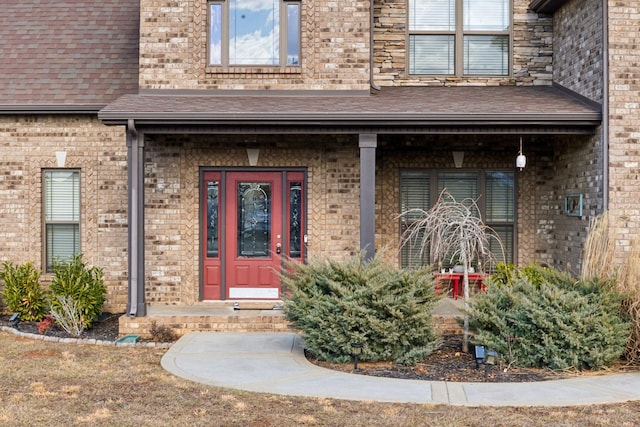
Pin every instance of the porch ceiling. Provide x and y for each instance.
(507, 109)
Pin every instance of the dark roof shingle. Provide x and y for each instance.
(67, 53)
(392, 106)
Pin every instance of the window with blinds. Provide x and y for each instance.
(459, 37)
(493, 191)
(61, 215)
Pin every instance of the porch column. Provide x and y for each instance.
(135, 174)
(368, 143)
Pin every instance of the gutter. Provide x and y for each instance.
(6, 109)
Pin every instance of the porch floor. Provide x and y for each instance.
(248, 316)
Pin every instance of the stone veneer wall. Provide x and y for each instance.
(27, 146)
(334, 49)
(624, 119)
(172, 199)
(531, 53)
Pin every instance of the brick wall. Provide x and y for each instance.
(531, 53)
(577, 45)
(624, 116)
(27, 145)
(334, 47)
(172, 199)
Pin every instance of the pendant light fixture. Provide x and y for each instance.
(521, 160)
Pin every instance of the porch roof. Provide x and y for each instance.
(390, 110)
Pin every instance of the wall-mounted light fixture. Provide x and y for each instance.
(458, 157)
(61, 158)
(253, 154)
(521, 160)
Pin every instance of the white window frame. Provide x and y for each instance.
(225, 36)
(53, 215)
(459, 34)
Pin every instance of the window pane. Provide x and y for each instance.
(215, 34)
(415, 193)
(254, 219)
(63, 241)
(503, 250)
(254, 32)
(486, 15)
(432, 15)
(431, 54)
(486, 55)
(293, 34)
(295, 219)
(461, 185)
(62, 196)
(212, 219)
(499, 197)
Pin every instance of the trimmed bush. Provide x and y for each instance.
(22, 292)
(539, 317)
(85, 286)
(387, 309)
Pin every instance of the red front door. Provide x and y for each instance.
(251, 220)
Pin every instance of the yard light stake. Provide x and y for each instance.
(356, 350)
(15, 320)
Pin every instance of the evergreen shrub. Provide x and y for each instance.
(389, 310)
(85, 286)
(540, 317)
(22, 292)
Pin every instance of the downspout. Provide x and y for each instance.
(371, 62)
(605, 105)
(132, 157)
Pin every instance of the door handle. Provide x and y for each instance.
(278, 248)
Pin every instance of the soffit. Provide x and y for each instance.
(389, 110)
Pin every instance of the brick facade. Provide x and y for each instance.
(334, 49)
(624, 116)
(335, 56)
(27, 146)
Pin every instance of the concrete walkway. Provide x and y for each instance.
(275, 363)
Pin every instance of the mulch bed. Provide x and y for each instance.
(448, 363)
(106, 329)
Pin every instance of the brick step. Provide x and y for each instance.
(241, 321)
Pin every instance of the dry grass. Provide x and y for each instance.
(599, 261)
(56, 384)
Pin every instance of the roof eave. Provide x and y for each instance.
(358, 119)
(10, 109)
(546, 6)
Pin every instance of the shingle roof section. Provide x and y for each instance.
(68, 52)
(419, 105)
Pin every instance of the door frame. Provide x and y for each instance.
(223, 171)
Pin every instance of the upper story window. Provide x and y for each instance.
(254, 32)
(459, 37)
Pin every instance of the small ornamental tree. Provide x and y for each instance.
(388, 310)
(452, 230)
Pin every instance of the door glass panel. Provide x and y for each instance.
(295, 224)
(212, 219)
(254, 219)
